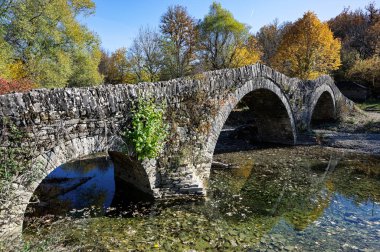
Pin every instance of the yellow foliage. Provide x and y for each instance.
(367, 70)
(17, 70)
(308, 49)
(247, 54)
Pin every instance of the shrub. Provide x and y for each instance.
(148, 130)
(21, 85)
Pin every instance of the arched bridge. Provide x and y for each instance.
(65, 124)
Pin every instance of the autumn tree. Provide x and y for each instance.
(359, 31)
(104, 64)
(115, 67)
(145, 55)
(269, 38)
(247, 53)
(220, 37)
(179, 40)
(6, 51)
(367, 71)
(308, 49)
(54, 49)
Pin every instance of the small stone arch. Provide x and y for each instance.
(257, 85)
(322, 106)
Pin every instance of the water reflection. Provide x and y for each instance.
(86, 183)
(300, 198)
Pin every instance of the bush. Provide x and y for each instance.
(148, 130)
(21, 85)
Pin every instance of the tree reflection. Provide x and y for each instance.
(83, 166)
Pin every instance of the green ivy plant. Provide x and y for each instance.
(148, 130)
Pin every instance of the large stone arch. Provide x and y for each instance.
(257, 84)
(323, 105)
(13, 217)
(141, 177)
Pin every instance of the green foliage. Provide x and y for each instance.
(148, 131)
(85, 68)
(54, 48)
(367, 71)
(5, 57)
(220, 35)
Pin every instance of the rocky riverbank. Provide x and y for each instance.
(358, 131)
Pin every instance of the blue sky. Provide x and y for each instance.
(117, 21)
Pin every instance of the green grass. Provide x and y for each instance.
(370, 105)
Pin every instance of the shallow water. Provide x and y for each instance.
(299, 198)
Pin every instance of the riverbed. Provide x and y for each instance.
(289, 198)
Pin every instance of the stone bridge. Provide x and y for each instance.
(65, 124)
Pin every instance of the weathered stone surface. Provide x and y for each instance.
(64, 124)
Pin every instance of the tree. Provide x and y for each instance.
(220, 36)
(359, 32)
(308, 49)
(367, 71)
(85, 68)
(115, 67)
(179, 41)
(6, 51)
(247, 54)
(104, 65)
(53, 47)
(269, 38)
(145, 55)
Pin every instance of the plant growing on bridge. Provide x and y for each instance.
(148, 130)
(11, 157)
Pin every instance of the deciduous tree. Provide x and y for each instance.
(359, 31)
(269, 38)
(367, 71)
(21, 85)
(220, 36)
(115, 67)
(55, 49)
(247, 54)
(145, 55)
(179, 41)
(308, 49)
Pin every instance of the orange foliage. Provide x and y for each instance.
(21, 85)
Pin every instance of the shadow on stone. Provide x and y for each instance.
(131, 180)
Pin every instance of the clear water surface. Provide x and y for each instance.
(281, 199)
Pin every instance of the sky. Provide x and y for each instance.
(117, 22)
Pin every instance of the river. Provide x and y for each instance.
(304, 198)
